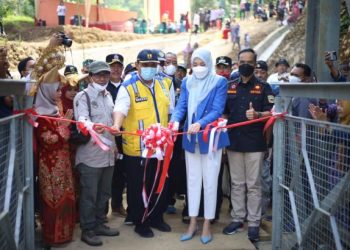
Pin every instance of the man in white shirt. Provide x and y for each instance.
(143, 100)
(280, 76)
(61, 13)
(196, 22)
(116, 63)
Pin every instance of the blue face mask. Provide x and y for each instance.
(148, 73)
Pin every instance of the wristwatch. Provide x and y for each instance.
(259, 114)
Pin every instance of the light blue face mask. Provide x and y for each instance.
(148, 73)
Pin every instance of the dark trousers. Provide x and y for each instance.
(61, 20)
(95, 191)
(177, 172)
(1, 28)
(164, 28)
(135, 167)
(118, 184)
(196, 28)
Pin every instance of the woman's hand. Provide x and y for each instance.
(317, 113)
(194, 128)
(55, 41)
(69, 116)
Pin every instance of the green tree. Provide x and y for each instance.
(135, 5)
(5, 8)
(16, 7)
(197, 4)
(28, 8)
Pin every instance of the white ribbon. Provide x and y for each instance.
(213, 146)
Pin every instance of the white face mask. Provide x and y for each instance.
(200, 71)
(294, 79)
(159, 69)
(127, 77)
(99, 87)
(170, 70)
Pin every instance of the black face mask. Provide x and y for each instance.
(246, 70)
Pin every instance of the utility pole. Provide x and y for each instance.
(97, 10)
(322, 34)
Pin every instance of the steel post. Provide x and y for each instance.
(322, 34)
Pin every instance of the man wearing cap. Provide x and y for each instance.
(86, 64)
(95, 165)
(83, 83)
(71, 75)
(167, 64)
(128, 70)
(180, 74)
(261, 70)
(70, 69)
(116, 63)
(280, 76)
(169, 70)
(143, 100)
(223, 66)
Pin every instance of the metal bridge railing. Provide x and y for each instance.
(16, 173)
(311, 193)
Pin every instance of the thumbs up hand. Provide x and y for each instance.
(251, 113)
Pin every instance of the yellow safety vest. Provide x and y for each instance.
(145, 109)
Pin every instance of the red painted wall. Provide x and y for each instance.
(47, 11)
(167, 5)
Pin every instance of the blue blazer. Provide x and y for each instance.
(209, 110)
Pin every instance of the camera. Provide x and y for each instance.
(66, 41)
(333, 55)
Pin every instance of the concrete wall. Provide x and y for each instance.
(154, 9)
(167, 5)
(47, 11)
(182, 7)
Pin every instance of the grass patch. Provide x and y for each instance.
(13, 23)
(18, 20)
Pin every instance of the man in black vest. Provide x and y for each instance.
(116, 63)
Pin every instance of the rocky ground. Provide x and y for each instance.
(30, 41)
(96, 43)
(293, 46)
(257, 33)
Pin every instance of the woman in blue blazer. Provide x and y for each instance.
(202, 101)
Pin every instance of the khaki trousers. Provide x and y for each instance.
(245, 170)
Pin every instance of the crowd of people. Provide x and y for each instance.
(78, 181)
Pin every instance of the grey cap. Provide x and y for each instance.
(99, 66)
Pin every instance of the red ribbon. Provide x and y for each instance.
(209, 127)
(158, 140)
(30, 114)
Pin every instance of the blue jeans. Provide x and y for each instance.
(95, 191)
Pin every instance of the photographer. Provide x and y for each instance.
(330, 60)
(57, 196)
